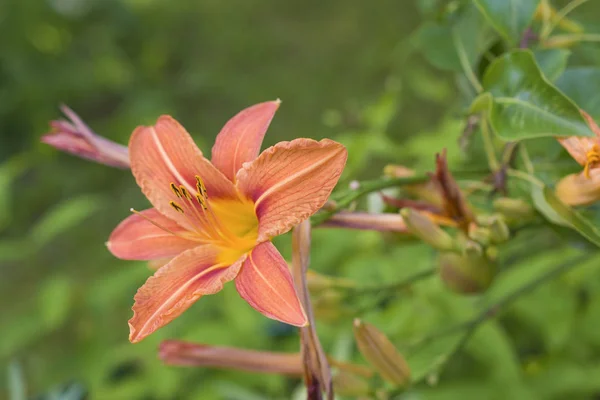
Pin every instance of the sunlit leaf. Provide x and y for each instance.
(525, 105)
(509, 17)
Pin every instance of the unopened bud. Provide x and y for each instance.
(349, 384)
(513, 209)
(469, 273)
(75, 137)
(318, 282)
(329, 306)
(397, 171)
(499, 232)
(426, 230)
(379, 351)
(481, 235)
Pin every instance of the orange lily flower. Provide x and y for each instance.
(584, 187)
(216, 219)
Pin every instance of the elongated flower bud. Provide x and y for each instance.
(77, 138)
(426, 230)
(381, 353)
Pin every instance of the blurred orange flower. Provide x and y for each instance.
(216, 218)
(584, 187)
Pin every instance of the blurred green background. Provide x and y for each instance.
(347, 70)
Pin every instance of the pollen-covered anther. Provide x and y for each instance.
(175, 190)
(201, 188)
(592, 159)
(176, 206)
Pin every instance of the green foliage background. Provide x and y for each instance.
(364, 73)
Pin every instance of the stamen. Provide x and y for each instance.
(593, 158)
(157, 224)
(201, 188)
(201, 201)
(175, 190)
(176, 206)
(185, 192)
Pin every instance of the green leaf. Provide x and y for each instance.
(564, 215)
(443, 42)
(509, 17)
(525, 105)
(582, 85)
(552, 62)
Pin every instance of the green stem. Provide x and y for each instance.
(365, 187)
(426, 273)
(488, 145)
(549, 27)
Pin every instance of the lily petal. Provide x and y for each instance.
(265, 282)
(577, 189)
(240, 139)
(136, 238)
(578, 146)
(176, 286)
(165, 153)
(291, 181)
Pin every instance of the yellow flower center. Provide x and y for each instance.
(230, 224)
(592, 159)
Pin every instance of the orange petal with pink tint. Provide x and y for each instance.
(291, 181)
(165, 153)
(578, 146)
(175, 287)
(136, 238)
(577, 189)
(240, 139)
(265, 282)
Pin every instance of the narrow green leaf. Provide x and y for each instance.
(509, 17)
(525, 104)
(582, 85)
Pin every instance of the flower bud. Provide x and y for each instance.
(513, 209)
(349, 384)
(469, 273)
(77, 138)
(499, 232)
(381, 353)
(481, 235)
(426, 230)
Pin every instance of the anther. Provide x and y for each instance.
(201, 201)
(201, 188)
(184, 192)
(176, 206)
(175, 190)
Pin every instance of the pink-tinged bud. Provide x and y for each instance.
(379, 351)
(386, 222)
(176, 352)
(469, 273)
(75, 137)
